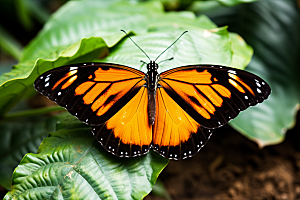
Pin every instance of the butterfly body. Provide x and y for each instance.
(173, 112)
(152, 81)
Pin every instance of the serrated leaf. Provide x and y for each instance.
(19, 137)
(72, 164)
(272, 28)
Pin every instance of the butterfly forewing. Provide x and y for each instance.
(92, 92)
(213, 95)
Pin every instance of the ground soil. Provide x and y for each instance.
(231, 167)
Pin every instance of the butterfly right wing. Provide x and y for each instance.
(176, 135)
(92, 92)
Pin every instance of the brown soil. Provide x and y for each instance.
(232, 167)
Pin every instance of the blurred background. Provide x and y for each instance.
(230, 166)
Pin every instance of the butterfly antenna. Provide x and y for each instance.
(165, 60)
(136, 44)
(170, 45)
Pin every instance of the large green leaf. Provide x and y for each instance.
(82, 31)
(272, 28)
(191, 49)
(69, 26)
(19, 137)
(71, 164)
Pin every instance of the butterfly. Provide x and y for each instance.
(173, 112)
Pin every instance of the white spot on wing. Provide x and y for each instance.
(257, 83)
(47, 84)
(232, 71)
(73, 68)
(59, 93)
(258, 90)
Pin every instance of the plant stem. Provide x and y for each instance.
(33, 112)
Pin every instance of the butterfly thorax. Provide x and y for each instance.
(152, 79)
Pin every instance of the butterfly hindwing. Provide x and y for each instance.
(175, 134)
(93, 92)
(128, 133)
(213, 95)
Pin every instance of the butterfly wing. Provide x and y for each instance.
(213, 95)
(128, 133)
(112, 98)
(176, 135)
(92, 92)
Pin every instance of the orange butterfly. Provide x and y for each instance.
(173, 112)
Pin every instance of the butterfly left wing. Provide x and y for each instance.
(128, 133)
(110, 97)
(213, 95)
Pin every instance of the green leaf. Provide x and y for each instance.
(272, 28)
(70, 163)
(19, 137)
(83, 31)
(70, 29)
(195, 47)
(242, 52)
(205, 7)
(160, 190)
(23, 14)
(234, 2)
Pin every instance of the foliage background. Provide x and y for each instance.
(84, 31)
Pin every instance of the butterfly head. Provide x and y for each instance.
(152, 65)
(152, 75)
